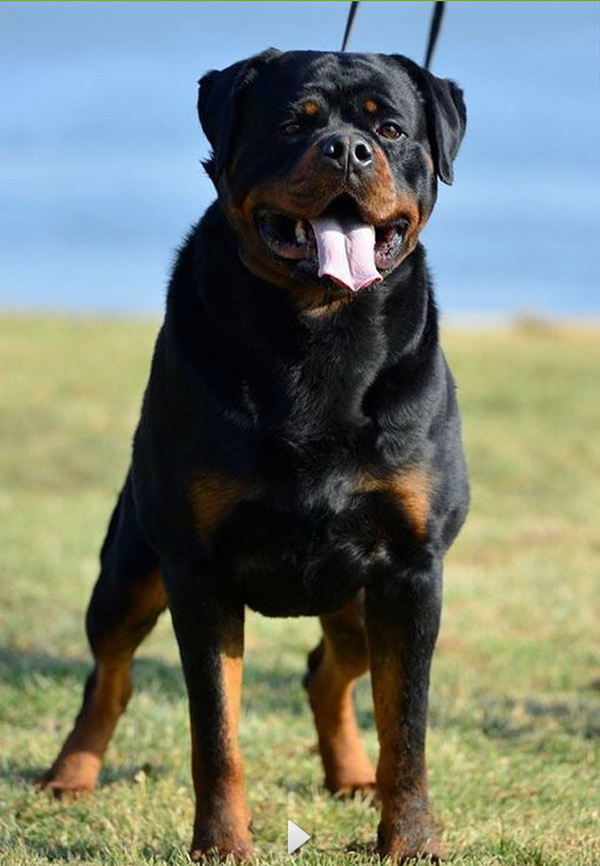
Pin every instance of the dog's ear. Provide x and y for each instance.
(219, 96)
(446, 115)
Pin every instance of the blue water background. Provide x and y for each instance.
(100, 147)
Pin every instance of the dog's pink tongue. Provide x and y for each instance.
(346, 252)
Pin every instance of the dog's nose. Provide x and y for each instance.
(348, 151)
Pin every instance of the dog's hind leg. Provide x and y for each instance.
(126, 602)
(333, 667)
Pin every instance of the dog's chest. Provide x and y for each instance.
(315, 506)
(307, 545)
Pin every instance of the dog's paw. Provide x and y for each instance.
(240, 852)
(350, 774)
(71, 776)
(361, 789)
(409, 842)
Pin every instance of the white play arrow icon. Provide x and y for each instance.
(296, 837)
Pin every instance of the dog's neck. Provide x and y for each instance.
(285, 366)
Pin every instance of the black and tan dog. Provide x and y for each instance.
(299, 445)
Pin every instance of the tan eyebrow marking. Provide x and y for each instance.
(371, 106)
(311, 108)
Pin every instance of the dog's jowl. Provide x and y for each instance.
(299, 448)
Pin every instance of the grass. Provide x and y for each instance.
(515, 716)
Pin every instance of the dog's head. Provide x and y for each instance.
(327, 164)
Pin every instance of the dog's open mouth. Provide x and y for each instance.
(343, 247)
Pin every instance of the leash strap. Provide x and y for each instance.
(434, 30)
(350, 23)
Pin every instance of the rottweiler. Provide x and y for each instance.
(299, 448)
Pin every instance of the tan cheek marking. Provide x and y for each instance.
(304, 191)
(427, 158)
(408, 206)
(213, 497)
(384, 203)
(378, 202)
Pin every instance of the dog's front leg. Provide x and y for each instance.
(209, 624)
(403, 608)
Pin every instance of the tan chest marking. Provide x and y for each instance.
(213, 497)
(411, 490)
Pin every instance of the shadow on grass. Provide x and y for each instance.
(264, 678)
(267, 684)
(130, 773)
(21, 670)
(510, 719)
(535, 720)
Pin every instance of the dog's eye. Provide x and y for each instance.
(290, 128)
(390, 130)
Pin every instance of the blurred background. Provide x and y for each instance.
(100, 147)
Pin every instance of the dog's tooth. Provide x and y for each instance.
(299, 232)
